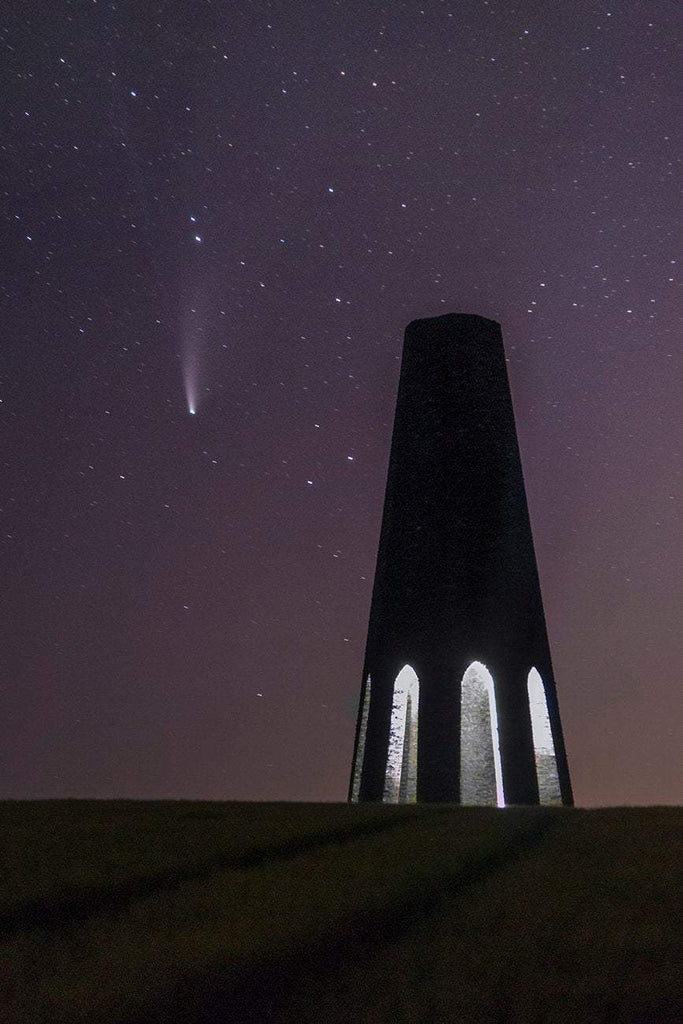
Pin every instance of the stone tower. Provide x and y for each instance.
(458, 700)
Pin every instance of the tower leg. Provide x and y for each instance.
(377, 736)
(438, 742)
(514, 726)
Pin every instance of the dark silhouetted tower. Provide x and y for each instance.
(458, 701)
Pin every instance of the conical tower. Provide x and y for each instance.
(458, 700)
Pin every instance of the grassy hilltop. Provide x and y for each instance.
(120, 912)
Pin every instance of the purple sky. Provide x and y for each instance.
(245, 203)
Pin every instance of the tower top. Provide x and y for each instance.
(451, 320)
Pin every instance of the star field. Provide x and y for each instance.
(218, 219)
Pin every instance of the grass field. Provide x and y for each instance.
(119, 912)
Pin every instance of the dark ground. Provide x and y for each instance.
(127, 913)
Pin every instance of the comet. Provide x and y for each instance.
(190, 392)
(190, 384)
(193, 345)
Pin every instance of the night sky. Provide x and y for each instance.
(236, 208)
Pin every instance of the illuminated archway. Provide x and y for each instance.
(400, 780)
(481, 775)
(360, 748)
(544, 748)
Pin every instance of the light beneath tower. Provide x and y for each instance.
(481, 772)
(400, 781)
(544, 747)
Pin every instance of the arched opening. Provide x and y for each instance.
(481, 774)
(360, 747)
(400, 780)
(544, 748)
